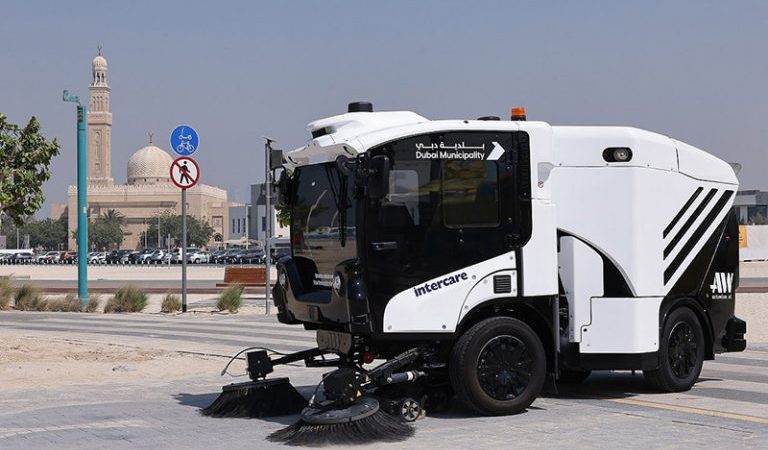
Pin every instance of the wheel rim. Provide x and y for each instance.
(504, 367)
(410, 410)
(683, 355)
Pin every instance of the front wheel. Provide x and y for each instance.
(498, 366)
(681, 353)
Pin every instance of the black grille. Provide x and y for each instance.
(502, 284)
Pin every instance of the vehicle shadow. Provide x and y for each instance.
(609, 384)
(600, 385)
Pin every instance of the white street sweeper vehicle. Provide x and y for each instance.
(480, 258)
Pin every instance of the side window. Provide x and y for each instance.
(470, 193)
(404, 190)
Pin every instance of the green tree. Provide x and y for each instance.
(198, 232)
(113, 216)
(47, 233)
(105, 232)
(283, 215)
(25, 157)
(758, 219)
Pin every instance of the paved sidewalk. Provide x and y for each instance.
(726, 409)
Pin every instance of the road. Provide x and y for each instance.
(726, 409)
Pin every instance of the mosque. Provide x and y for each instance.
(148, 190)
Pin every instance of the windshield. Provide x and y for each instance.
(322, 219)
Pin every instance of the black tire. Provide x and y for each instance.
(681, 353)
(576, 376)
(499, 347)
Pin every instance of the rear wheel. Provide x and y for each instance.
(498, 366)
(681, 353)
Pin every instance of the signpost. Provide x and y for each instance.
(185, 173)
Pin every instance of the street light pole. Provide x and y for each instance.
(268, 216)
(82, 197)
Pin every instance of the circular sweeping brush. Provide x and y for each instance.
(328, 423)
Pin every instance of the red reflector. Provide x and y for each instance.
(368, 357)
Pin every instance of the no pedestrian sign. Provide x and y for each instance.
(185, 172)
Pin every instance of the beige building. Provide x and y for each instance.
(148, 191)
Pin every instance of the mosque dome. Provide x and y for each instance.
(99, 62)
(149, 165)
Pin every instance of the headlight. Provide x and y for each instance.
(336, 282)
(283, 280)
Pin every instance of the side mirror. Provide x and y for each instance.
(378, 178)
(276, 159)
(283, 188)
(342, 163)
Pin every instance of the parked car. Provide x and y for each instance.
(250, 256)
(47, 257)
(234, 256)
(277, 253)
(225, 257)
(97, 257)
(22, 258)
(216, 254)
(157, 257)
(197, 256)
(117, 256)
(68, 257)
(142, 256)
(176, 254)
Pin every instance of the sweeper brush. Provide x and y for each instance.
(355, 405)
(346, 417)
(359, 423)
(260, 397)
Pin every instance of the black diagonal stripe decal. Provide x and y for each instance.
(682, 211)
(684, 229)
(697, 235)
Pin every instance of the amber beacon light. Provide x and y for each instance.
(517, 113)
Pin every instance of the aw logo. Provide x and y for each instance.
(722, 285)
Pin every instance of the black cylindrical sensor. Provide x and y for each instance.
(360, 107)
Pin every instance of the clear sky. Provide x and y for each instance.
(694, 70)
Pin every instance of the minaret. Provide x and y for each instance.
(99, 126)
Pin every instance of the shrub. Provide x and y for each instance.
(28, 298)
(93, 303)
(171, 303)
(6, 292)
(230, 299)
(127, 299)
(70, 303)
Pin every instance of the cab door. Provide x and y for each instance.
(453, 202)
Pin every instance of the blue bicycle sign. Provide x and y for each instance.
(184, 140)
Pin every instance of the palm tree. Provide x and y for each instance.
(113, 216)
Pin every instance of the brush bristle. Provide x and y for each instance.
(379, 427)
(250, 401)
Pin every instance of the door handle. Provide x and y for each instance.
(381, 246)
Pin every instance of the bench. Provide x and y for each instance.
(244, 276)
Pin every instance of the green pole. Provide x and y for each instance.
(82, 205)
(82, 197)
